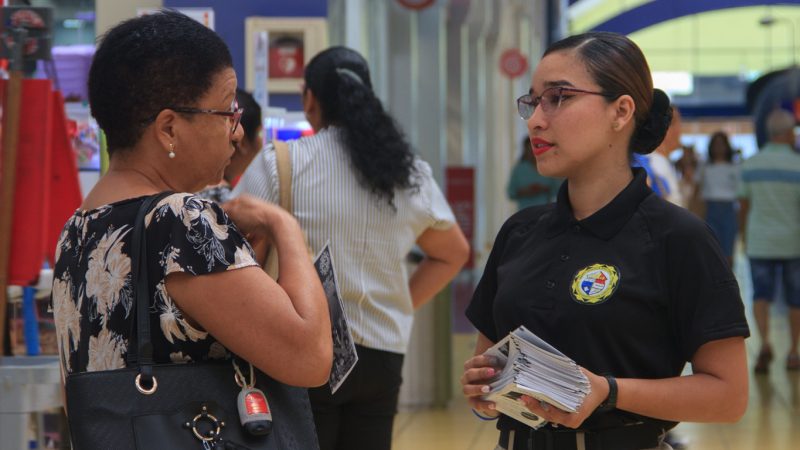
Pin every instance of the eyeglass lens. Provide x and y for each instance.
(550, 100)
(237, 115)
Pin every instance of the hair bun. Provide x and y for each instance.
(651, 132)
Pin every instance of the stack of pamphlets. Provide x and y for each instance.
(534, 368)
(344, 348)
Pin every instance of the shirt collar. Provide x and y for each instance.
(610, 219)
(776, 146)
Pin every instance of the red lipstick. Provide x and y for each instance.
(540, 146)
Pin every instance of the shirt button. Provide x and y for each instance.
(550, 284)
(564, 257)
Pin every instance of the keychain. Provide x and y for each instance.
(254, 413)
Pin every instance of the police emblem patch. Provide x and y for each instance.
(595, 284)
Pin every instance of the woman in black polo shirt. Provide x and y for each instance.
(629, 286)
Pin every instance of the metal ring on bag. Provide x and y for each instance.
(144, 391)
(215, 423)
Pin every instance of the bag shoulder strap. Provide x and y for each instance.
(284, 162)
(140, 347)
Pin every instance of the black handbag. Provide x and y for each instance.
(176, 406)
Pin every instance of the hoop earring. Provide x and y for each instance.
(171, 153)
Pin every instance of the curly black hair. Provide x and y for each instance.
(339, 79)
(145, 64)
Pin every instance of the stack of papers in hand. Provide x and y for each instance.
(534, 368)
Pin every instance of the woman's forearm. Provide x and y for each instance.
(692, 398)
(297, 274)
(429, 278)
(446, 252)
(716, 392)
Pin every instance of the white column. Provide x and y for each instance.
(336, 22)
(354, 25)
(378, 47)
(431, 77)
(475, 111)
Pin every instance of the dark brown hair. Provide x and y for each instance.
(618, 66)
(722, 138)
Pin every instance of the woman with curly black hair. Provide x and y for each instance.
(357, 184)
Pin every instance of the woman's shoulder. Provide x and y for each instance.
(667, 220)
(329, 137)
(182, 200)
(99, 216)
(527, 217)
(722, 167)
(196, 236)
(315, 150)
(186, 207)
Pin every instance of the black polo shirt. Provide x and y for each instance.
(631, 291)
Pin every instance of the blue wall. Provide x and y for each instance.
(229, 18)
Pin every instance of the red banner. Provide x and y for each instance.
(46, 188)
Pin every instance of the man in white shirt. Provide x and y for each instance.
(663, 172)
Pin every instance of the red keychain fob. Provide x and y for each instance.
(254, 412)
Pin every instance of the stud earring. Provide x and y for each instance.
(171, 153)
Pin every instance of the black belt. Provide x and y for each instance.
(633, 437)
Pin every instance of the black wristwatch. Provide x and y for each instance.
(610, 403)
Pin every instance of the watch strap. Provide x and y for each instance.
(610, 403)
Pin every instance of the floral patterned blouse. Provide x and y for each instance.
(93, 301)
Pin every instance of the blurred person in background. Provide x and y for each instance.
(527, 186)
(719, 182)
(770, 222)
(688, 167)
(662, 170)
(245, 150)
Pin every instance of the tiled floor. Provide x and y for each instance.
(772, 421)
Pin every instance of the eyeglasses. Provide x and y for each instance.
(234, 115)
(550, 100)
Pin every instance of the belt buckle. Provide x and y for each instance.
(580, 440)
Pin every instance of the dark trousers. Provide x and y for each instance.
(721, 217)
(635, 437)
(361, 413)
